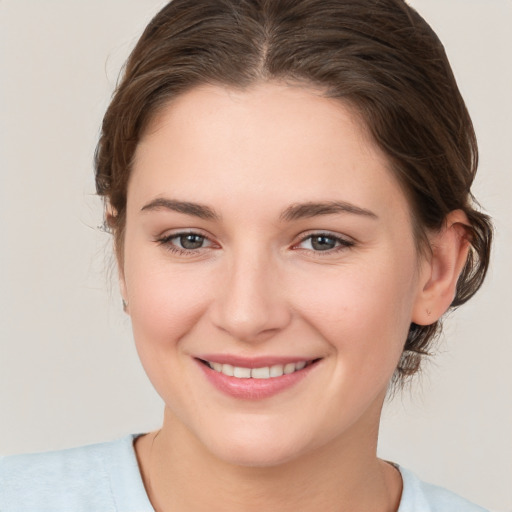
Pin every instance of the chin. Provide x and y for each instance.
(255, 454)
(256, 447)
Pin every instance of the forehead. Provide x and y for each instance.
(287, 142)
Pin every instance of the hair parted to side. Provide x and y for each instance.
(379, 56)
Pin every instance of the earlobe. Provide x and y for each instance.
(110, 215)
(440, 273)
(123, 291)
(110, 221)
(122, 288)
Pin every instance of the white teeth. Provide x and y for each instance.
(227, 369)
(242, 373)
(289, 368)
(260, 373)
(277, 370)
(265, 372)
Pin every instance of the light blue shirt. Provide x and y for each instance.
(106, 478)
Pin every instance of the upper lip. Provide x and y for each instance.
(253, 362)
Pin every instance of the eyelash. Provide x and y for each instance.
(341, 243)
(166, 241)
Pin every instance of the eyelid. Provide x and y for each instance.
(165, 240)
(171, 233)
(344, 242)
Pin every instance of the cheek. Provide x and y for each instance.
(165, 307)
(165, 303)
(363, 310)
(363, 315)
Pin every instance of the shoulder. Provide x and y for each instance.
(95, 477)
(418, 495)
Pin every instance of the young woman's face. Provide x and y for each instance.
(264, 229)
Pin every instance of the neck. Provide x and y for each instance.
(182, 476)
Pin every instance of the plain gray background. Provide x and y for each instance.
(69, 373)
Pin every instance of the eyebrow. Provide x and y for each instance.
(293, 212)
(311, 209)
(188, 208)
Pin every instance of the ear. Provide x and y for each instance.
(123, 289)
(441, 269)
(124, 294)
(110, 215)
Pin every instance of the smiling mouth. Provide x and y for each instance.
(264, 372)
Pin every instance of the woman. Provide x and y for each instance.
(288, 186)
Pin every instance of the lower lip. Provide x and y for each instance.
(254, 389)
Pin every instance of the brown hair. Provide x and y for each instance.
(378, 55)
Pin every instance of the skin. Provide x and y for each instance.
(258, 286)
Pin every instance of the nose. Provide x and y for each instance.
(250, 304)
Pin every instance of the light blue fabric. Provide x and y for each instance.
(105, 478)
(98, 478)
(418, 496)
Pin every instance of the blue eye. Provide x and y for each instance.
(184, 243)
(323, 242)
(190, 241)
